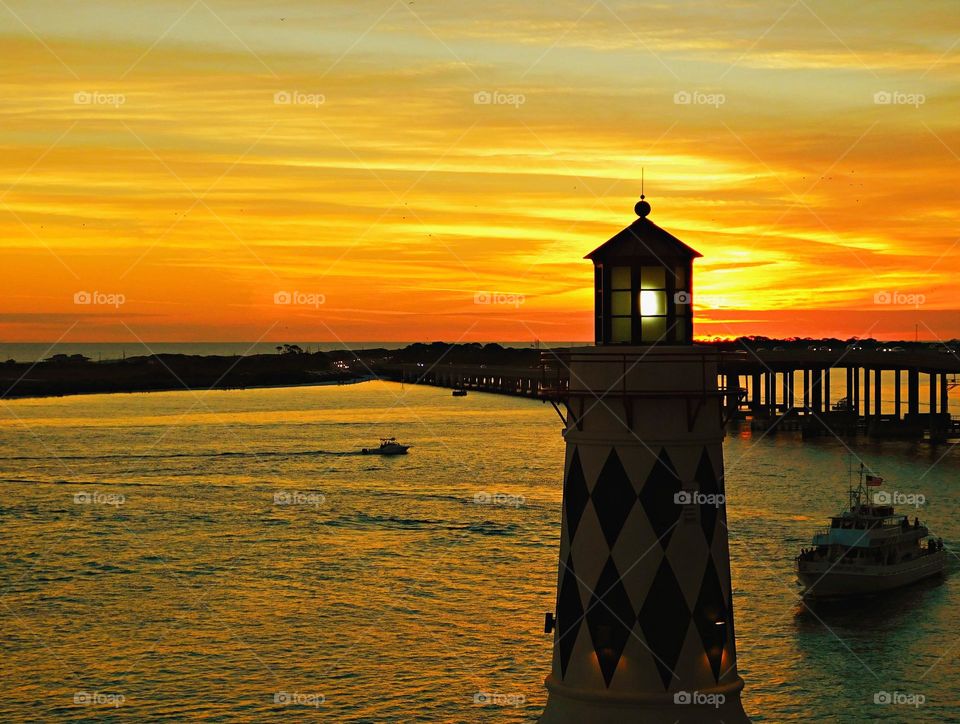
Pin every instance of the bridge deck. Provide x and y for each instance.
(764, 387)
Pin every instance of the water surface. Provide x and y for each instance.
(227, 555)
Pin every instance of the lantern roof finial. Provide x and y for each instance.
(642, 208)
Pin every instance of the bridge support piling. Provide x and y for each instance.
(816, 392)
(732, 385)
(855, 384)
(913, 392)
(755, 393)
(878, 393)
(896, 392)
(866, 392)
(771, 394)
(849, 387)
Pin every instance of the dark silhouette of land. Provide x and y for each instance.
(291, 365)
(75, 374)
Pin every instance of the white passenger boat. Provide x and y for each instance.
(868, 549)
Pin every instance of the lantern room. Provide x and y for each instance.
(644, 285)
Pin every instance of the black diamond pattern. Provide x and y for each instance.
(613, 497)
(610, 619)
(665, 620)
(569, 614)
(707, 481)
(665, 616)
(711, 619)
(575, 493)
(657, 498)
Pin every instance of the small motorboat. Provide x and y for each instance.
(388, 446)
(459, 392)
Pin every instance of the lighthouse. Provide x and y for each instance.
(644, 622)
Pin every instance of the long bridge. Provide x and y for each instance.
(903, 394)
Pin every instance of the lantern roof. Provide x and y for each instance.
(643, 238)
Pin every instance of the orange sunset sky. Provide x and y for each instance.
(386, 162)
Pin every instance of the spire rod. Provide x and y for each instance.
(642, 208)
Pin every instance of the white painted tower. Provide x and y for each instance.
(643, 629)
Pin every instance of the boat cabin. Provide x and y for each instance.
(869, 516)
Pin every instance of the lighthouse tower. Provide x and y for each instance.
(643, 628)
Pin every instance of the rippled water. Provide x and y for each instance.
(144, 557)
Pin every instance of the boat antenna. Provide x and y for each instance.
(851, 493)
(861, 493)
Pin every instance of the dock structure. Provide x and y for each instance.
(902, 394)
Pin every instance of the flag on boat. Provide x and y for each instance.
(874, 480)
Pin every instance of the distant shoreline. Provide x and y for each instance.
(289, 366)
(292, 366)
(30, 352)
(75, 375)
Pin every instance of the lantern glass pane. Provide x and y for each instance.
(653, 329)
(620, 329)
(620, 277)
(620, 303)
(653, 277)
(653, 303)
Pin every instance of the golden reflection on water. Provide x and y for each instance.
(388, 591)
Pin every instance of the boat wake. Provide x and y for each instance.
(201, 455)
